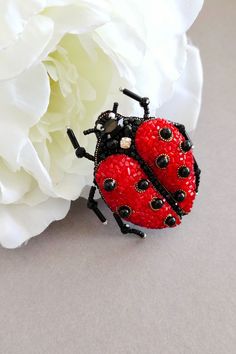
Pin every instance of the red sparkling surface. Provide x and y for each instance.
(127, 173)
(150, 145)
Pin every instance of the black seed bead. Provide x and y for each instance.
(186, 145)
(124, 211)
(131, 119)
(179, 196)
(165, 133)
(80, 152)
(170, 221)
(162, 161)
(112, 144)
(156, 203)
(109, 184)
(127, 130)
(143, 184)
(184, 171)
(168, 197)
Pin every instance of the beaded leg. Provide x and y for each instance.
(79, 150)
(93, 205)
(143, 101)
(126, 229)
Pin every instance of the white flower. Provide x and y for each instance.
(61, 64)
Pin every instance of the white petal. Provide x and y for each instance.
(72, 185)
(14, 15)
(91, 3)
(26, 50)
(77, 18)
(184, 106)
(160, 69)
(19, 222)
(23, 101)
(113, 35)
(13, 186)
(169, 17)
(30, 161)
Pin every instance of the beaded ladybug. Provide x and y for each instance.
(144, 169)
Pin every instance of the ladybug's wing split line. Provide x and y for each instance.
(126, 229)
(79, 151)
(93, 205)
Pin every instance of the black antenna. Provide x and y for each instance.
(89, 131)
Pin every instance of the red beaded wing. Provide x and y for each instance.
(127, 173)
(157, 149)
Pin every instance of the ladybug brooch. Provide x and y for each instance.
(144, 169)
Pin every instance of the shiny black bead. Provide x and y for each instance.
(156, 203)
(109, 184)
(165, 133)
(110, 125)
(112, 144)
(162, 161)
(80, 152)
(127, 130)
(170, 221)
(186, 145)
(143, 184)
(124, 211)
(179, 196)
(184, 171)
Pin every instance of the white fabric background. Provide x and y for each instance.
(84, 288)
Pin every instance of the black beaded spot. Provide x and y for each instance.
(179, 195)
(165, 134)
(162, 161)
(143, 184)
(170, 221)
(156, 203)
(186, 145)
(109, 184)
(124, 211)
(183, 171)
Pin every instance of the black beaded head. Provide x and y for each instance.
(106, 123)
